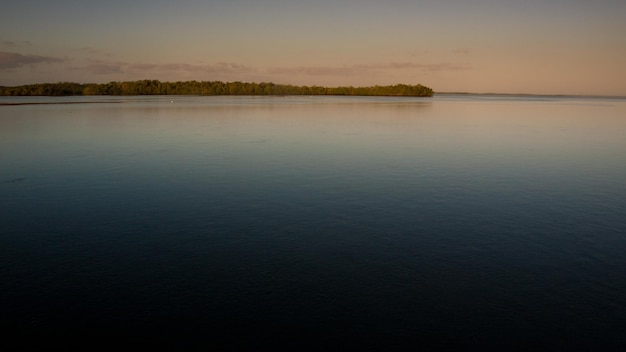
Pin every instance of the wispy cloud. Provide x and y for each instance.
(9, 60)
(315, 70)
(443, 66)
(361, 69)
(93, 52)
(103, 68)
(15, 44)
(218, 68)
(100, 67)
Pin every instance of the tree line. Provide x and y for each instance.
(155, 87)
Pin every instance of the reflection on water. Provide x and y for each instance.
(449, 221)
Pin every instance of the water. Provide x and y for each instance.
(456, 221)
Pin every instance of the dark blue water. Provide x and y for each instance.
(382, 223)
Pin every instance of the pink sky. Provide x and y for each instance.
(553, 47)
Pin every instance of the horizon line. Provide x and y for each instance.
(353, 86)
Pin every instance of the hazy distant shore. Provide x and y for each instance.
(530, 95)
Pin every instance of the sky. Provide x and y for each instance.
(481, 46)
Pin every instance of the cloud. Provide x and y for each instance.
(237, 71)
(315, 70)
(10, 60)
(361, 69)
(103, 68)
(233, 70)
(412, 65)
(99, 67)
(14, 44)
(93, 52)
(218, 68)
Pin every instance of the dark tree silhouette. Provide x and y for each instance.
(154, 87)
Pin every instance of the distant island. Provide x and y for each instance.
(155, 87)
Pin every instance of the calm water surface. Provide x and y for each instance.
(454, 221)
